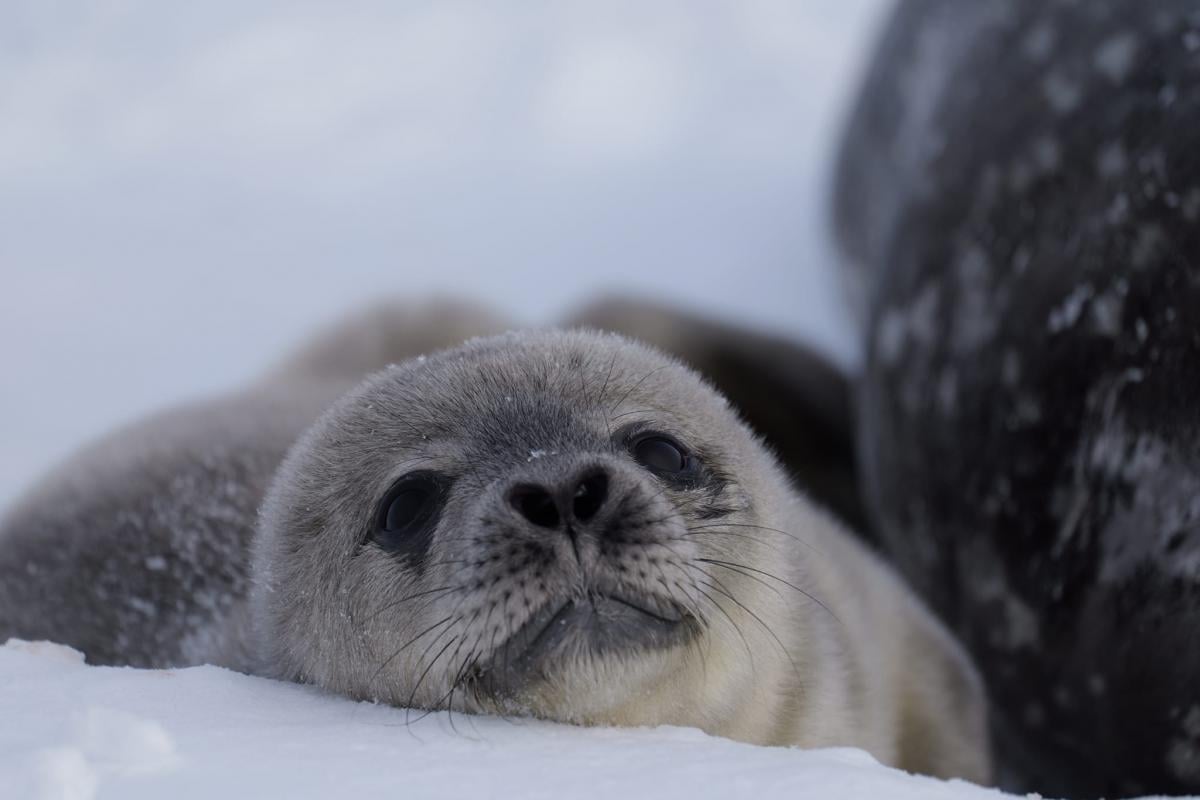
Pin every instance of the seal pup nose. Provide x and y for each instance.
(578, 499)
(535, 504)
(590, 495)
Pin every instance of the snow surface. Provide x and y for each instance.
(77, 732)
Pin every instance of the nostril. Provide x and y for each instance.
(589, 496)
(536, 505)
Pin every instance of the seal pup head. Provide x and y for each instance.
(527, 523)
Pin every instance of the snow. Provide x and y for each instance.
(80, 732)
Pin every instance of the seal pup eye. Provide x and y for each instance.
(409, 512)
(665, 457)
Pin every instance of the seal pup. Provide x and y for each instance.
(562, 524)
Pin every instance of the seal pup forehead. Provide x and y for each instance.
(503, 520)
(536, 379)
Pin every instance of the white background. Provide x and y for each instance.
(186, 189)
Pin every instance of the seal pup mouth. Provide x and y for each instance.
(595, 624)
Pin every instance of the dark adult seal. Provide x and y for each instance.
(1019, 206)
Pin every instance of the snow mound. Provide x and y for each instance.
(76, 732)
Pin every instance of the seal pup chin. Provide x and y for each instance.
(574, 526)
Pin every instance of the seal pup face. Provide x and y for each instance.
(527, 523)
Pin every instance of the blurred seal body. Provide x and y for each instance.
(563, 524)
(1019, 204)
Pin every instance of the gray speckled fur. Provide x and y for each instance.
(146, 550)
(136, 551)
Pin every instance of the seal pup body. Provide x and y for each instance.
(563, 524)
(136, 550)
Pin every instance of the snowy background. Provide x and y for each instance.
(187, 189)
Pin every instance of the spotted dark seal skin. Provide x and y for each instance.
(1018, 203)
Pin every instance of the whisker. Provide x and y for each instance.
(635, 387)
(424, 673)
(734, 567)
(393, 603)
(604, 389)
(402, 647)
(579, 366)
(754, 539)
(756, 527)
(733, 623)
(759, 620)
(631, 413)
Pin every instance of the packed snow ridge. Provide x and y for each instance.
(77, 732)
